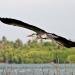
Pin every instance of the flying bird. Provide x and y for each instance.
(39, 32)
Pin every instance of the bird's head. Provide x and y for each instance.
(34, 34)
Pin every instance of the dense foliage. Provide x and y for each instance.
(33, 52)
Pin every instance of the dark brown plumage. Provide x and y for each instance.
(21, 24)
(61, 40)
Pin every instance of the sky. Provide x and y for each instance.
(54, 16)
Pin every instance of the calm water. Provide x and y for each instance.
(37, 69)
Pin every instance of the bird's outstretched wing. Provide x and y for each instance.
(61, 40)
(19, 23)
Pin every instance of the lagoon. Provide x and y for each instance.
(37, 69)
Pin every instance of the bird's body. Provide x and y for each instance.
(40, 32)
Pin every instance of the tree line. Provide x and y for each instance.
(34, 52)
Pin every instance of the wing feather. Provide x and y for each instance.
(19, 23)
(62, 40)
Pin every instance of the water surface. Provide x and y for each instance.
(37, 69)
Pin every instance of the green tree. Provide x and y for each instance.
(18, 43)
(71, 59)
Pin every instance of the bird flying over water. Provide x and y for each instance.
(39, 32)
